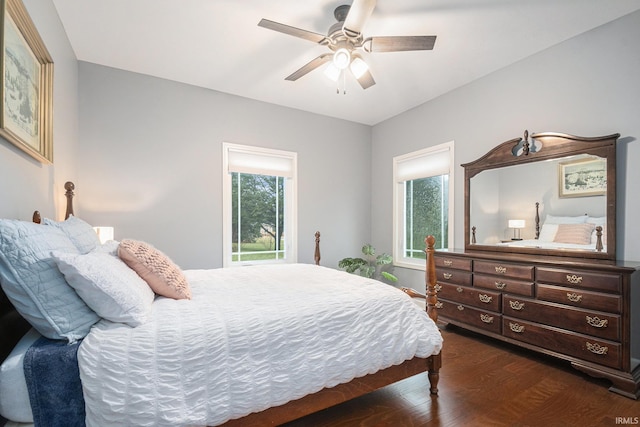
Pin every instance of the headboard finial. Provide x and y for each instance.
(316, 255)
(69, 186)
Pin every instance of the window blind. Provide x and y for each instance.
(423, 164)
(258, 162)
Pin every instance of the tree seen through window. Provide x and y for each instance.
(257, 217)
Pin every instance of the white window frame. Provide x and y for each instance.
(260, 161)
(411, 166)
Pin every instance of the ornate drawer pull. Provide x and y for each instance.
(460, 307)
(485, 298)
(439, 305)
(500, 285)
(486, 318)
(597, 348)
(596, 322)
(447, 262)
(438, 287)
(516, 305)
(516, 327)
(500, 269)
(447, 275)
(573, 297)
(574, 279)
(459, 289)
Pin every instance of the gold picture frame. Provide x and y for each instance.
(26, 91)
(582, 178)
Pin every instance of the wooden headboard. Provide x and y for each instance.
(12, 325)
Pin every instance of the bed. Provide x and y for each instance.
(563, 232)
(251, 331)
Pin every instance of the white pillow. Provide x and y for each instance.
(597, 220)
(108, 286)
(14, 394)
(81, 234)
(35, 286)
(548, 232)
(552, 219)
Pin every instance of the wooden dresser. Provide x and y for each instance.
(581, 310)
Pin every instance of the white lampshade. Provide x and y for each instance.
(516, 223)
(104, 233)
(358, 67)
(332, 72)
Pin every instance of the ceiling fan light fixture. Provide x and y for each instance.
(332, 72)
(358, 67)
(342, 58)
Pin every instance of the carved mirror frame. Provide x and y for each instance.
(539, 147)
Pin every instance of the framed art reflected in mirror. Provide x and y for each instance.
(582, 178)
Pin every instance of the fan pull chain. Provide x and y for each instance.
(344, 84)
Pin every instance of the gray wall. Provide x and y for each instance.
(26, 184)
(586, 86)
(145, 153)
(151, 159)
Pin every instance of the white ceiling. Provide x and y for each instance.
(217, 44)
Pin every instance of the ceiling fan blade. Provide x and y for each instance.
(358, 14)
(310, 66)
(399, 43)
(292, 31)
(366, 80)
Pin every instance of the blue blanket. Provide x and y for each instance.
(53, 381)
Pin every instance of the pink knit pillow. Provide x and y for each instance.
(162, 275)
(577, 234)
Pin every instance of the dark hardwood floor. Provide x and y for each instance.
(484, 382)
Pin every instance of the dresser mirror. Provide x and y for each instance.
(548, 194)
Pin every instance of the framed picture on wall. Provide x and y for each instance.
(27, 84)
(583, 177)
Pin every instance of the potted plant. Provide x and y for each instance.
(371, 266)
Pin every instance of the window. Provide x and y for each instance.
(423, 195)
(259, 199)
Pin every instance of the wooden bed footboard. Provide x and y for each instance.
(341, 393)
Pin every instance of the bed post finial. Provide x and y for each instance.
(69, 186)
(537, 220)
(316, 255)
(37, 218)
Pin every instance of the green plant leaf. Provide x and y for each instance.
(350, 265)
(367, 271)
(390, 277)
(368, 250)
(384, 259)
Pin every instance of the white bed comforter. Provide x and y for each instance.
(250, 338)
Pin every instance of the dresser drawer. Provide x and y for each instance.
(579, 279)
(482, 319)
(583, 347)
(580, 298)
(443, 261)
(515, 271)
(503, 284)
(594, 323)
(470, 296)
(455, 277)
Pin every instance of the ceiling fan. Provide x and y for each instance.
(345, 38)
